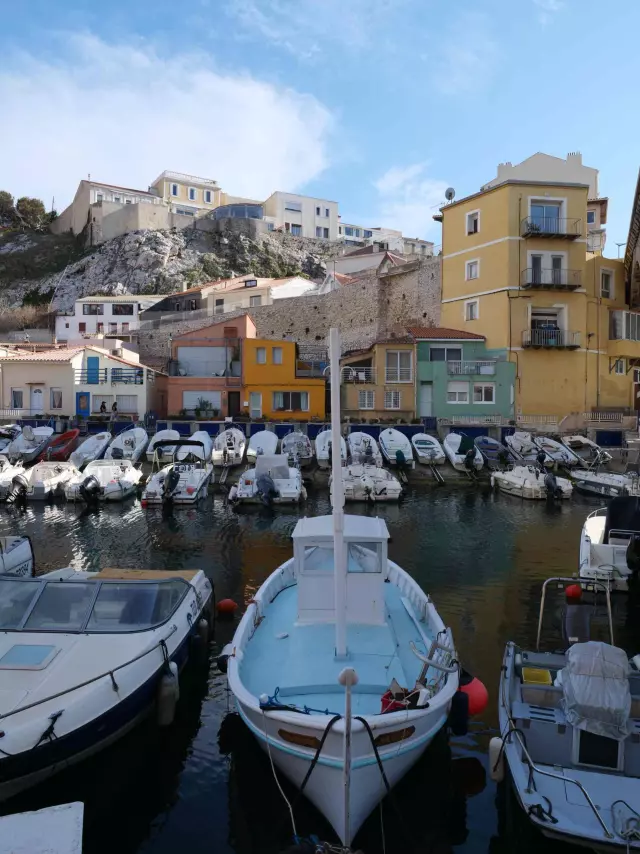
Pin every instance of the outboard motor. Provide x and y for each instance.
(551, 485)
(90, 489)
(117, 453)
(469, 459)
(18, 490)
(169, 485)
(401, 460)
(541, 459)
(266, 489)
(503, 458)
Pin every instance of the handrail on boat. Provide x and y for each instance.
(431, 662)
(561, 579)
(533, 767)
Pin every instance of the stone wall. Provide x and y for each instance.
(364, 311)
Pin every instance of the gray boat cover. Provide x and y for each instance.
(595, 686)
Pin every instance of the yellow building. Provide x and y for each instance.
(516, 269)
(187, 194)
(276, 384)
(379, 382)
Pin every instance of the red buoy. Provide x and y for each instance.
(227, 607)
(573, 591)
(475, 691)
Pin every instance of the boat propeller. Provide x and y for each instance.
(17, 490)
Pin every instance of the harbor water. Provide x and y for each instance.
(203, 785)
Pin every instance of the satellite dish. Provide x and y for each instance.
(450, 194)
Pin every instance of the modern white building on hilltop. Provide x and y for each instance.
(106, 316)
(388, 238)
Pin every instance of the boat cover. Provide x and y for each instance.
(595, 687)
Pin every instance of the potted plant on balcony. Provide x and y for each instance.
(204, 407)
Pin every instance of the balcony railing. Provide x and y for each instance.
(551, 226)
(132, 376)
(90, 376)
(398, 375)
(548, 277)
(115, 376)
(311, 369)
(358, 375)
(624, 326)
(552, 339)
(487, 368)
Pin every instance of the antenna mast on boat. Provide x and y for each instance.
(337, 499)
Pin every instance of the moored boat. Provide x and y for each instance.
(162, 445)
(29, 444)
(297, 446)
(42, 482)
(396, 448)
(262, 442)
(591, 481)
(91, 449)
(130, 444)
(531, 482)
(462, 453)
(229, 447)
(584, 448)
(104, 480)
(324, 449)
(523, 445)
(8, 471)
(16, 556)
(427, 449)
(271, 481)
(560, 453)
(186, 479)
(60, 447)
(370, 483)
(610, 543)
(363, 449)
(495, 454)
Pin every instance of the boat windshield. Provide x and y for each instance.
(361, 557)
(88, 606)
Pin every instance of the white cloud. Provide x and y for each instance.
(548, 8)
(124, 113)
(467, 61)
(408, 199)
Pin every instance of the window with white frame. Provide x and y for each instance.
(17, 398)
(276, 355)
(174, 189)
(366, 400)
(445, 354)
(398, 365)
(261, 355)
(484, 393)
(253, 301)
(473, 222)
(591, 217)
(472, 270)
(318, 211)
(98, 399)
(471, 309)
(207, 196)
(291, 401)
(192, 194)
(55, 398)
(457, 392)
(392, 400)
(318, 231)
(620, 366)
(326, 212)
(296, 230)
(606, 284)
(127, 402)
(219, 307)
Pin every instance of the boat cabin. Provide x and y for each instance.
(365, 543)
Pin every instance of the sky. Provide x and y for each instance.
(379, 105)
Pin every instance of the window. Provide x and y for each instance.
(255, 301)
(287, 226)
(122, 308)
(56, 398)
(445, 354)
(291, 401)
(125, 327)
(606, 284)
(545, 216)
(356, 232)
(325, 233)
(99, 327)
(99, 197)
(472, 270)
(366, 400)
(192, 305)
(82, 327)
(97, 400)
(471, 309)
(192, 194)
(620, 366)
(398, 366)
(368, 233)
(591, 217)
(484, 393)
(251, 283)
(392, 400)
(113, 327)
(326, 212)
(636, 375)
(207, 196)
(544, 318)
(177, 306)
(473, 222)
(318, 231)
(127, 403)
(16, 398)
(348, 231)
(317, 211)
(339, 229)
(276, 354)
(174, 189)
(116, 198)
(296, 229)
(457, 392)
(127, 201)
(293, 206)
(92, 308)
(219, 306)
(261, 355)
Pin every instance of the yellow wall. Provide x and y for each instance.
(378, 357)
(163, 187)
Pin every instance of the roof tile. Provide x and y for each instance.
(441, 332)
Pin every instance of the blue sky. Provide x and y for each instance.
(378, 104)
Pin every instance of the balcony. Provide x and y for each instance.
(552, 227)
(90, 376)
(357, 374)
(550, 339)
(474, 368)
(548, 278)
(398, 375)
(126, 376)
(317, 370)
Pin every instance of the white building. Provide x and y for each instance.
(302, 216)
(116, 316)
(388, 238)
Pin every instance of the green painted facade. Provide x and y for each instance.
(500, 374)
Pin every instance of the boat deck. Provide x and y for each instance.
(299, 661)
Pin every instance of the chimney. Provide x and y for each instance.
(576, 156)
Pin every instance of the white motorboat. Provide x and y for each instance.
(41, 482)
(104, 480)
(559, 453)
(341, 666)
(297, 446)
(583, 447)
(363, 482)
(8, 471)
(229, 447)
(8, 432)
(91, 449)
(568, 734)
(610, 543)
(462, 452)
(85, 656)
(272, 481)
(591, 481)
(530, 482)
(128, 445)
(16, 556)
(29, 444)
(522, 444)
(262, 442)
(396, 448)
(324, 449)
(51, 830)
(363, 448)
(186, 479)
(427, 449)
(164, 442)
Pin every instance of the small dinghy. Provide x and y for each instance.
(396, 448)
(427, 449)
(462, 453)
(297, 447)
(8, 471)
(128, 445)
(610, 543)
(229, 447)
(91, 449)
(8, 432)
(41, 482)
(16, 557)
(52, 830)
(272, 481)
(104, 480)
(60, 447)
(584, 448)
(568, 733)
(363, 448)
(186, 479)
(531, 482)
(495, 454)
(324, 449)
(369, 483)
(559, 453)
(262, 442)
(85, 656)
(341, 666)
(525, 448)
(164, 442)
(29, 444)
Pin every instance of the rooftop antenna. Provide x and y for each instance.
(450, 194)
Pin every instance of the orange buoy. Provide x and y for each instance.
(573, 591)
(227, 607)
(475, 691)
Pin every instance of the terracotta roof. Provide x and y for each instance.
(441, 332)
(399, 339)
(65, 355)
(397, 259)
